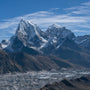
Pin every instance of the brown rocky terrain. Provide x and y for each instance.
(82, 83)
(23, 62)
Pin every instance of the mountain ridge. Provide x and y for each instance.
(82, 83)
(30, 41)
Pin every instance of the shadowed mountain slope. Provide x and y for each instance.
(82, 83)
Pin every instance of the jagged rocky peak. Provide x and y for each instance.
(58, 31)
(53, 26)
(57, 35)
(26, 28)
(31, 36)
(56, 26)
(28, 32)
(27, 35)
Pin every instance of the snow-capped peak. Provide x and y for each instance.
(29, 35)
(58, 31)
(54, 26)
(57, 35)
(25, 26)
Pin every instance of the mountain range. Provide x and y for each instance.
(34, 49)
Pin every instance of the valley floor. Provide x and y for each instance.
(36, 80)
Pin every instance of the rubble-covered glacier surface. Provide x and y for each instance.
(35, 80)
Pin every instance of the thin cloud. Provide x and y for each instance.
(84, 8)
(75, 18)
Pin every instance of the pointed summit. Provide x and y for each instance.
(22, 20)
(27, 35)
(23, 25)
(26, 29)
(53, 26)
(59, 32)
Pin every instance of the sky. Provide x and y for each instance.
(72, 14)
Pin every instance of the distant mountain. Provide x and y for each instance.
(56, 37)
(82, 83)
(83, 41)
(34, 45)
(31, 36)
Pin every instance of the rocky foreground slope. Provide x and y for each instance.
(35, 80)
(82, 83)
(23, 62)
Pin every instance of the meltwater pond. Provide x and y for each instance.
(35, 80)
